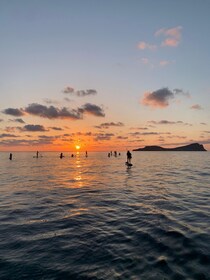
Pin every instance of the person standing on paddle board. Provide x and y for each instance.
(129, 157)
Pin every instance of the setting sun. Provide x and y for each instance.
(77, 147)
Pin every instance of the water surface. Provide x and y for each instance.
(94, 218)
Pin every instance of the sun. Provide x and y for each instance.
(77, 147)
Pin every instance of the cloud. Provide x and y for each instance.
(5, 135)
(68, 90)
(18, 120)
(147, 62)
(103, 136)
(14, 112)
(67, 99)
(56, 128)
(143, 46)
(140, 128)
(52, 112)
(33, 128)
(137, 133)
(172, 36)
(163, 122)
(161, 97)
(80, 93)
(196, 107)
(181, 92)
(92, 109)
(11, 129)
(110, 124)
(24, 142)
(164, 63)
(158, 98)
(122, 137)
(203, 123)
(50, 101)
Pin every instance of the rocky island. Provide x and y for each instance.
(192, 147)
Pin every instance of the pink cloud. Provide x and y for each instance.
(173, 36)
(143, 46)
(164, 62)
(170, 42)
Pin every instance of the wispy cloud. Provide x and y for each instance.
(143, 46)
(68, 89)
(56, 128)
(140, 128)
(196, 107)
(67, 99)
(24, 142)
(50, 101)
(122, 137)
(6, 135)
(147, 62)
(80, 93)
(18, 120)
(166, 122)
(172, 36)
(161, 97)
(110, 124)
(103, 136)
(143, 133)
(164, 63)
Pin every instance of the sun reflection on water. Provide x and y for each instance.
(78, 171)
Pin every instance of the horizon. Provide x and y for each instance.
(96, 151)
(103, 76)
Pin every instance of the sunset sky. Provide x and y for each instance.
(104, 75)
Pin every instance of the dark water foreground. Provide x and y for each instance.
(92, 218)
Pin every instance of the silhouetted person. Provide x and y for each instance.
(72, 155)
(115, 153)
(10, 156)
(129, 157)
(61, 155)
(108, 154)
(86, 154)
(37, 154)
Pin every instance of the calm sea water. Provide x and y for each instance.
(93, 218)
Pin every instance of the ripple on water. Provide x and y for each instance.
(68, 220)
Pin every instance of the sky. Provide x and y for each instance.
(104, 75)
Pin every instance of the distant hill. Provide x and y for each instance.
(191, 147)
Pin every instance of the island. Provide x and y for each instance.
(191, 147)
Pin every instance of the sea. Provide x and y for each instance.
(95, 218)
